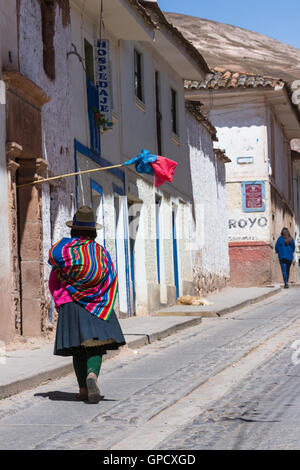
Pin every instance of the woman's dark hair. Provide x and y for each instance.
(79, 232)
(285, 233)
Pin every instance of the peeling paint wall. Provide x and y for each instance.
(210, 241)
(58, 151)
(242, 132)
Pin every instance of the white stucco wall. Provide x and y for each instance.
(242, 131)
(210, 238)
(56, 126)
(9, 42)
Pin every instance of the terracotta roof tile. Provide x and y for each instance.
(222, 78)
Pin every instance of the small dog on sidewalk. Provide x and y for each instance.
(192, 300)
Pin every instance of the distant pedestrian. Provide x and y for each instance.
(285, 247)
(83, 283)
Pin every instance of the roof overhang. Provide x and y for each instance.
(277, 99)
(286, 112)
(177, 57)
(125, 19)
(180, 53)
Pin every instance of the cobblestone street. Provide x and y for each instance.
(261, 412)
(150, 395)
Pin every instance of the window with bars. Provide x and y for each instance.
(174, 121)
(158, 113)
(138, 75)
(89, 61)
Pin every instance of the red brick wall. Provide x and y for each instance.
(250, 263)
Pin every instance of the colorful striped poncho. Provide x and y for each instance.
(87, 272)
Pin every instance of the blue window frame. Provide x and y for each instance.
(80, 148)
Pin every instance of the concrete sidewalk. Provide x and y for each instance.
(25, 369)
(225, 301)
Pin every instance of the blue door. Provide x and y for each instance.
(132, 271)
(122, 257)
(157, 209)
(131, 252)
(175, 255)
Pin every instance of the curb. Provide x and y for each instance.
(220, 312)
(249, 302)
(34, 381)
(61, 371)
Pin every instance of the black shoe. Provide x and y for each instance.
(286, 286)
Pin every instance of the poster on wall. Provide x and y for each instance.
(103, 81)
(253, 196)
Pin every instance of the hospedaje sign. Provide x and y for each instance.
(103, 81)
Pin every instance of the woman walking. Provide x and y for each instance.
(285, 247)
(83, 283)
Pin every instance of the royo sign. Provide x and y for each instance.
(103, 77)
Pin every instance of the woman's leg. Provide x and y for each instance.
(288, 267)
(284, 271)
(80, 367)
(94, 361)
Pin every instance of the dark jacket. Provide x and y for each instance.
(285, 251)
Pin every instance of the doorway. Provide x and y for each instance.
(122, 255)
(175, 250)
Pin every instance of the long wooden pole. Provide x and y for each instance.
(45, 180)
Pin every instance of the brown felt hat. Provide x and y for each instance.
(85, 219)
